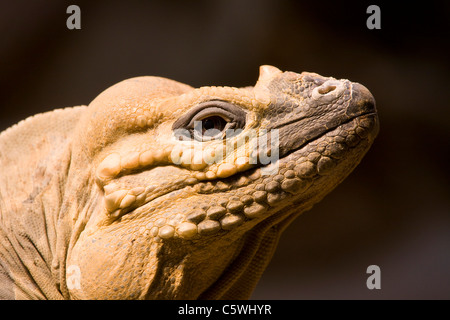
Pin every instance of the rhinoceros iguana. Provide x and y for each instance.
(157, 190)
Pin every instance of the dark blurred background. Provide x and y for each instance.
(393, 210)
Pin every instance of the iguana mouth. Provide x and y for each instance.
(324, 132)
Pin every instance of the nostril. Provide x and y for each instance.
(326, 89)
(329, 91)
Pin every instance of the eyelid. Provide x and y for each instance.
(223, 108)
(211, 112)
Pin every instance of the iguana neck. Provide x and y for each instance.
(34, 158)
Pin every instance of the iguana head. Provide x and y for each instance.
(187, 190)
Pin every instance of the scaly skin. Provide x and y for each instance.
(145, 213)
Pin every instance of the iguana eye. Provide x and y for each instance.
(210, 121)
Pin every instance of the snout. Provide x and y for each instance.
(362, 101)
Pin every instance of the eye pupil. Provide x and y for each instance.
(214, 122)
(208, 124)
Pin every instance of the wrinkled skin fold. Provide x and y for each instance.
(111, 201)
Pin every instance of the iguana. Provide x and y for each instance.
(158, 190)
